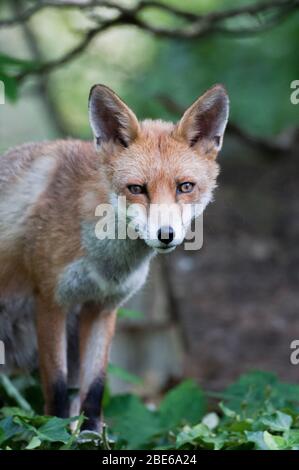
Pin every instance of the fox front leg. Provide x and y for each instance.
(96, 331)
(52, 347)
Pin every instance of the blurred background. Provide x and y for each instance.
(232, 306)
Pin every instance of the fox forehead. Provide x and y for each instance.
(158, 156)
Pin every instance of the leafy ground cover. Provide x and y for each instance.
(257, 412)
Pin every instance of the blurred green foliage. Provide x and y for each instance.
(146, 70)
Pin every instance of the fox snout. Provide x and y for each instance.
(166, 234)
(162, 226)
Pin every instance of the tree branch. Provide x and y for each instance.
(43, 84)
(213, 17)
(51, 65)
(42, 5)
(196, 26)
(268, 13)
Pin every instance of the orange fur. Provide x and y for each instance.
(48, 191)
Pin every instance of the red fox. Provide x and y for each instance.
(53, 266)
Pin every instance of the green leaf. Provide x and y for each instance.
(13, 392)
(183, 404)
(201, 437)
(190, 435)
(75, 433)
(9, 429)
(256, 390)
(123, 374)
(14, 411)
(274, 442)
(132, 422)
(292, 438)
(257, 437)
(34, 443)
(277, 421)
(2, 436)
(54, 430)
(128, 313)
(228, 412)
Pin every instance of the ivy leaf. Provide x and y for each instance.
(190, 435)
(277, 421)
(34, 443)
(257, 438)
(183, 404)
(123, 374)
(132, 421)
(8, 429)
(54, 430)
(274, 442)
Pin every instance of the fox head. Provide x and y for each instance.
(167, 172)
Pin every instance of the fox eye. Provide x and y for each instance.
(185, 187)
(136, 188)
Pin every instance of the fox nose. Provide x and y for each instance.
(165, 234)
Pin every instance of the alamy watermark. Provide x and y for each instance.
(157, 224)
(294, 356)
(294, 97)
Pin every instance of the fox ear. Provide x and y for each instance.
(206, 119)
(110, 118)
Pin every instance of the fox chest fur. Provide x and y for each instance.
(109, 273)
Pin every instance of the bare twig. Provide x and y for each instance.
(268, 13)
(197, 26)
(51, 65)
(42, 5)
(213, 17)
(43, 83)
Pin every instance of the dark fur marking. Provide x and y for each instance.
(60, 405)
(92, 405)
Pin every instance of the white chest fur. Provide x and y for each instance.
(109, 274)
(81, 282)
